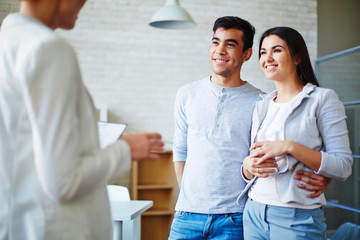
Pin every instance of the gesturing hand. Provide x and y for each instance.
(143, 145)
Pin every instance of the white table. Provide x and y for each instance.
(127, 215)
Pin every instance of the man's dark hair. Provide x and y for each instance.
(248, 30)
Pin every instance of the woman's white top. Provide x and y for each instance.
(272, 129)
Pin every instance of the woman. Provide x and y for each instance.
(53, 173)
(300, 126)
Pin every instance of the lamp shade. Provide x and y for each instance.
(172, 16)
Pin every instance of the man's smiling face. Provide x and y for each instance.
(226, 52)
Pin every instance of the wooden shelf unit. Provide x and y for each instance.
(155, 180)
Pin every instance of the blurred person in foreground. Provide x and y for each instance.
(53, 173)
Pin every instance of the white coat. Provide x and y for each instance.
(53, 174)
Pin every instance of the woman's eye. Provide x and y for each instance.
(262, 52)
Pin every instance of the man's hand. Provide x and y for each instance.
(143, 145)
(315, 183)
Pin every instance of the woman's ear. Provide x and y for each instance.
(297, 60)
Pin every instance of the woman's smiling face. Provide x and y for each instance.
(275, 59)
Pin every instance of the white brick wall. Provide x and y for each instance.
(7, 6)
(136, 70)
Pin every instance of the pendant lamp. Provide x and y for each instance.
(172, 16)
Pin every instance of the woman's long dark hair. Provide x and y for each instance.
(298, 49)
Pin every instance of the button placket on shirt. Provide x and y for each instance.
(219, 114)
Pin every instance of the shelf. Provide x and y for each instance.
(162, 198)
(155, 180)
(160, 212)
(158, 172)
(156, 227)
(155, 187)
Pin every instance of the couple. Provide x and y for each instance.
(292, 132)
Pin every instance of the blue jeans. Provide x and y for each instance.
(194, 226)
(263, 221)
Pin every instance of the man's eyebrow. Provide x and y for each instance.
(232, 40)
(227, 40)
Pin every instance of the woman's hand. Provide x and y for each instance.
(270, 150)
(252, 166)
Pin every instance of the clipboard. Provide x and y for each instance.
(110, 132)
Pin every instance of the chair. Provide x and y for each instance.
(120, 193)
(347, 231)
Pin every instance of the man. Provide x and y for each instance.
(53, 173)
(212, 137)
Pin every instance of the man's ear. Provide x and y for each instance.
(247, 54)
